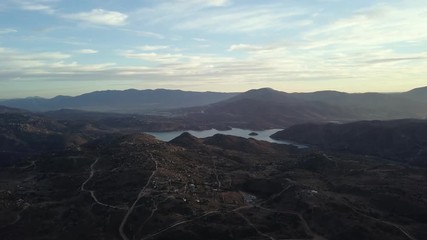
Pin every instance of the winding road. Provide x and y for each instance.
(92, 192)
(140, 195)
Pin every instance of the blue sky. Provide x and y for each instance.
(64, 47)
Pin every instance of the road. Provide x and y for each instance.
(400, 228)
(140, 195)
(178, 224)
(253, 226)
(92, 192)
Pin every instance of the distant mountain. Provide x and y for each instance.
(399, 140)
(4, 109)
(255, 109)
(417, 94)
(371, 106)
(268, 108)
(121, 101)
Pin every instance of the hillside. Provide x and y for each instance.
(401, 140)
(23, 134)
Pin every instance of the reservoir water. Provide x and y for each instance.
(262, 135)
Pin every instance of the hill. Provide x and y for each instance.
(401, 140)
(23, 134)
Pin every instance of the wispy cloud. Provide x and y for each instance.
(100, 17)
(50, 65)
(156, 57)
(212, 16)
(7, 30)
(153, 47)
(217, 3)
(396, 59)
(249, 47)
(37, 5)
(87, 51)
(143, 33)
(245, 19)
(200, 39)
(377, 25)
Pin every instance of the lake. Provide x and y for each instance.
(262, 135)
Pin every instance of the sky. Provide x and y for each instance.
(65, 47)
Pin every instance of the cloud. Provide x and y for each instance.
(373, 26)
(218, 3)
(276, 67)
(44, 65)
(153, 47)
(272, 43)
(100, 17)
(156, 57)
(7, 30)
(200, 39)
(37, 5)
(222, 16)
(203, 3)
(143, 33)
(245, 47)
(396, 59)
(244, 19)
(88, 51)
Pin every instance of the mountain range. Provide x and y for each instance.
(127, 101)
(319, 104)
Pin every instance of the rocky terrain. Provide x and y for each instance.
(99, 177)
(135, 187)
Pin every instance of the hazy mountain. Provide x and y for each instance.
(417, 94)
(268, 108)
(399, 140)
(122, 101)
(374, 105)
(4, 109)
(255, 109)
